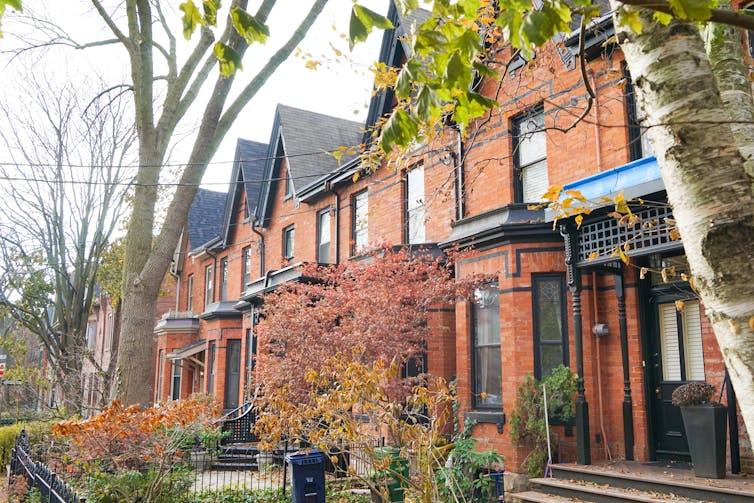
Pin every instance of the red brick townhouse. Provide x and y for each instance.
(553, 301)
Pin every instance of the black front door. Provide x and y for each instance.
(675, 358)
(232, 373)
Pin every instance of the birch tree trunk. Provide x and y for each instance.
(706, 182)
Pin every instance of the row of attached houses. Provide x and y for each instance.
(562, 296)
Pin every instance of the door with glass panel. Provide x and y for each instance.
(676, 357)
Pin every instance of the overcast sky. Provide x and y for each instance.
(339, 86)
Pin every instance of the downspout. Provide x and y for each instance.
(460, 182)
(598, 155)
(329, 188)
(261, 246)
(595, 316)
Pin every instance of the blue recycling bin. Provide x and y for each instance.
(307, 476)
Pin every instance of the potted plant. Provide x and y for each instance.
(705, 423)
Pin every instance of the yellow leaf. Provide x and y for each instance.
(643, 272)
(623, 256)
(355, 177)
(553, 192)
(579, 219)
(593, 255)
(312, 64)
(631, 19)
(679, 305)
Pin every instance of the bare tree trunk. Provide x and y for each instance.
(147, 257)
(706, 181)
(59, 213)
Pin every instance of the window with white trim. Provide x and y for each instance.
(323, 236)
(360, 221)
(530, 156)
(415, 210)
(487, 369)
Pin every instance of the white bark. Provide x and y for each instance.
(706, 181)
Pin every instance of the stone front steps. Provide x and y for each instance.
(577, 483)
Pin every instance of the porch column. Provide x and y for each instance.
(571, 237)
(628, 420)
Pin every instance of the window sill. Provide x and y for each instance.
(496, 417)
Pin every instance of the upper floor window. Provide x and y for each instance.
(109, 331)
(550, 323)
(91, 335)
(288, 185)
(323, 236)
(415, 214)
(246, 273)
(224, 279)
(175, 382)
(360, 221)
(530, 156)
(487, 364)
(190, 293)
(288, 234)
(208, 285)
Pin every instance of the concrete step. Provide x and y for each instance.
(693, 489)
(587, 491)
(538, 497)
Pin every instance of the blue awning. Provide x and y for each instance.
(635, 179)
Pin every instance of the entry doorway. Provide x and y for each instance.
(232, 373)
(675, 356)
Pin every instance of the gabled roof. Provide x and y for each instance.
(306, 139)
(205, 217)
(247, 174)
(393, 53)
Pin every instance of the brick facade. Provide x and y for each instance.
(513, 243)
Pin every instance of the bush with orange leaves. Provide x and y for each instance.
(134, 439)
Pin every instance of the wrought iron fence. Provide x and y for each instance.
(226, 471)
(38, 475)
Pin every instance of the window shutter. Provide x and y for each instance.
(693, 350)
(671, 358)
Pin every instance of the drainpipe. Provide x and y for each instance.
(599, 336)
(329, 188)
(460, 182)
(261, 245)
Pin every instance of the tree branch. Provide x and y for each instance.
(723, 16)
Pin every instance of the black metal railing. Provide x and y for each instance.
(38, 475)
(238, 424)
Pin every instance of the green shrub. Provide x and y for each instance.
(130, 486)
(528, 418)
(37, 431)
(462, 479)
(271, 495)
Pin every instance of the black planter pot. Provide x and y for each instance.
(706, 426)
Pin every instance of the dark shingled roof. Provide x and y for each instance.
(251, 157)
(305, 133)
(413, 19)
(248, 173)
(205, 217)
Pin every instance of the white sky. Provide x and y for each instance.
(339, 87)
